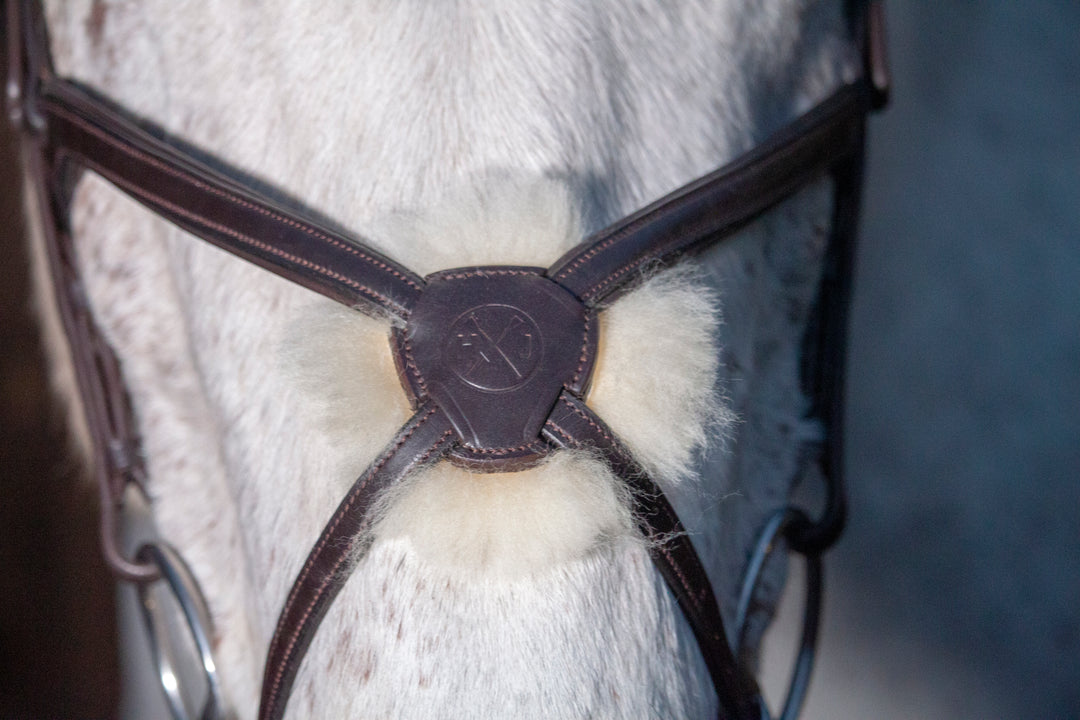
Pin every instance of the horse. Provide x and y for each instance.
(462, 135)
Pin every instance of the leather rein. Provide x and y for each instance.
(498, 420)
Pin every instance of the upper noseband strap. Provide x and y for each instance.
(718, 204)
(424, 439)
(190, 194)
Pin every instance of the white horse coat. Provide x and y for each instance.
(452, 134)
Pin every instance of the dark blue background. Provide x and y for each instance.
(956, 591)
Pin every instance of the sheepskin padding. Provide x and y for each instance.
(508, 524)
(498, 217)
(655, 371)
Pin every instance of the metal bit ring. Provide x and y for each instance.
(180, 582)
(804, 661)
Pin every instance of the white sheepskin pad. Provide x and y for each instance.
(657, 368)
(510, 524)
(653, 382)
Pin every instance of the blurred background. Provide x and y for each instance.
(955, 592)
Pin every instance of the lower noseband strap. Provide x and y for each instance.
(425, 438)
(573, 425)
(430, 435)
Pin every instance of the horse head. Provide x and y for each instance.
(436, 473)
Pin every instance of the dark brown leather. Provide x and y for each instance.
(215, 208)
(116, 456)
(876, 53)
(424, 439)
(117, 459)
(718, 204)
(824, 359)
(494, 347)
(573, 425)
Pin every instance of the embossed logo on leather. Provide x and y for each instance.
(493, 347)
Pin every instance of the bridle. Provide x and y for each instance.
(502, 417)
(492, 417)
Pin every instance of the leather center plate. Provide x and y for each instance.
(494, 347)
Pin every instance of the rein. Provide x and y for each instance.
(502, 417)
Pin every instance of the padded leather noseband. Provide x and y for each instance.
(496, 360)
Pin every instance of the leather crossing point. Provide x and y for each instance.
(493, 347)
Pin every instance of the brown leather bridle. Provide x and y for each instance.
(498, 416)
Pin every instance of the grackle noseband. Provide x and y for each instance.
(496, 360)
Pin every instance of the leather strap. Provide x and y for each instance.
(573, 425)
(207, 203)
(825, 342)
(824, 360)
(424, 439)
(117, 459)
(718, 204)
